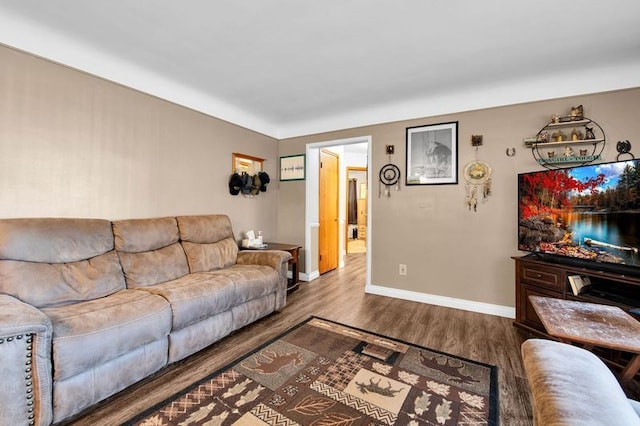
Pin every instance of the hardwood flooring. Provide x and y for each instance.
(339, 296)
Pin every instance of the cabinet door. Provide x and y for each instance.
(525, 313)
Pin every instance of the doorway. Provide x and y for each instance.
(355, 231)
(312, 220)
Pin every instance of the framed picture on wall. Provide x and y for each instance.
(292, 167)
(432, 154)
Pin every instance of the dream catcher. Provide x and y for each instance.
(477, 175)
(389, 176)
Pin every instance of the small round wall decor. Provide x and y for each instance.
(389, 176)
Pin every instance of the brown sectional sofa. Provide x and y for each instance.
(89, 306)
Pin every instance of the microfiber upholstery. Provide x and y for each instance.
(196, 297)
(274, 259)
(571, 386)
(140, 235)
(54, 240)
(48, 262)
(90, 333)
(89, 307)
(53, 284)
(208, 242)
(149, 250)
(35, 331)
(155, 266)
(211, 257)
(204, 228)
(251, 281)
(210, 247)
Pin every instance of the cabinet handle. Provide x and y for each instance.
(539, 276)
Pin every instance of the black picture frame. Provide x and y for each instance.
(432, 154)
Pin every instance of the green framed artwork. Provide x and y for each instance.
(292, 167)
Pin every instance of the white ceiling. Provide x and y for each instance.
(294, 67)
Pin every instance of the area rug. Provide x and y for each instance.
(324, 373)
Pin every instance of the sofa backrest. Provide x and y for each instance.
(208, 242)
(150, 251)
(56, 261)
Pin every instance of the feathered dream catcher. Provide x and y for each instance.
(389, 176)
(477, 175)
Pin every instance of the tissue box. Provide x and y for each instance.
(253, 243)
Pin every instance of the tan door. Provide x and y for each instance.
(328, 215)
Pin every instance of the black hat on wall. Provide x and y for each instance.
(235, 183)
(264, 180)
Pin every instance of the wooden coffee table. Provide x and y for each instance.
(591, 324)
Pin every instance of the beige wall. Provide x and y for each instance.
(75, 145)
(450, 251)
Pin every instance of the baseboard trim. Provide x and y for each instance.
(309, 277)
(450, 302)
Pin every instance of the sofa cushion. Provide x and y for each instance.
(140, 235)
(87, 334)
(54, 240)
(208, 242)
(250, 281)
(195, 297)
(209, 257)
(55, 261)
(155, 266)
(149, 251)
(53, 284)
(204, 228)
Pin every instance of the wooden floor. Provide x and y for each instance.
(339, 295)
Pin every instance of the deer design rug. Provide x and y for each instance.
(324, 373)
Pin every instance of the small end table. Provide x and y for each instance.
(591, 324)
(292, 249)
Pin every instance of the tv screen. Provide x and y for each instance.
(589, 212)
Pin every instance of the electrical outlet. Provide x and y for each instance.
(402, 270)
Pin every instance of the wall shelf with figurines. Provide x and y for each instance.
(570, 139)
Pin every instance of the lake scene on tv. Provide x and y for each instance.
(588, 212)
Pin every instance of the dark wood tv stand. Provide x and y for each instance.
(539, 277)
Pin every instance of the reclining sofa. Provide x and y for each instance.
(89, 306)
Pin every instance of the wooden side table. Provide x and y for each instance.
(293, 249)
(591, 324)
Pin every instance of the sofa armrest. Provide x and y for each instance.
(25, 364)
(571, 386)
(276, 259)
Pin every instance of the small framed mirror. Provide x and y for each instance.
(246, 163)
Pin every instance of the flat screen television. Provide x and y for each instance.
(587, 215)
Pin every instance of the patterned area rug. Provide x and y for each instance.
(324, 373)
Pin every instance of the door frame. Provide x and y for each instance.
(311, 201)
